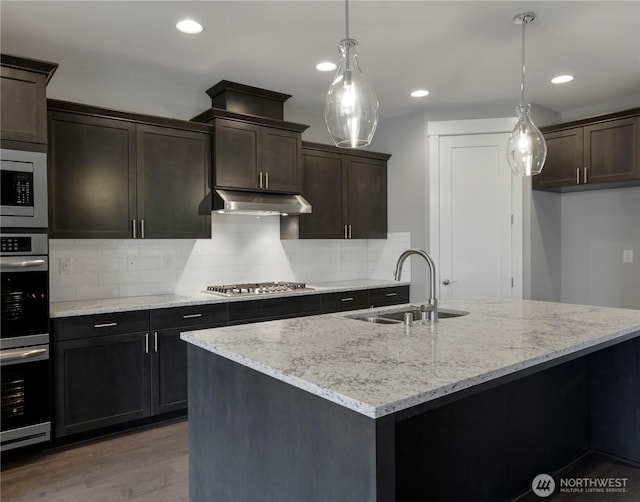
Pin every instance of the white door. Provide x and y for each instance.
(479, 217)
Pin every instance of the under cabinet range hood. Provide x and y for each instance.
(259, 203)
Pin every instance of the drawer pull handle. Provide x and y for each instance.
(105, 325)
(391, 294)
(350, 299)
(191, 316)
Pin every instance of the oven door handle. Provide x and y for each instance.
(12, 263)
(26, 354)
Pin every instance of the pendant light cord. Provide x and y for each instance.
(346, 17)
(524, 23)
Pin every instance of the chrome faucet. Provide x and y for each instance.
(430, 309)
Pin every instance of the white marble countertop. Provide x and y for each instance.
(378, 369)
(108, 305)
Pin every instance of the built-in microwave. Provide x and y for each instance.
(23, 198)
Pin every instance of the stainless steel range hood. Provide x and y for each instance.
(258, 203)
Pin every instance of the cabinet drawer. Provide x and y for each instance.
(192, 315)
(70, 328)
(345, 300)
(389, 296)
(274, 308)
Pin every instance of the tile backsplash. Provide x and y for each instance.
(242, 249)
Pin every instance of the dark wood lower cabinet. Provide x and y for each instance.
(101, 381)
(168, 372)
(111, 369)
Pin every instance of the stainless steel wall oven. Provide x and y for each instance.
(24, 340)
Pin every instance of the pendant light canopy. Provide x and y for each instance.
(526, 148)
(351, 108)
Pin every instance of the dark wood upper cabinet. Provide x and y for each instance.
(602, 152)
(173, 182)
(116, 178)
(250, 156)
(347, 192)
(23, 101)
(92, 176)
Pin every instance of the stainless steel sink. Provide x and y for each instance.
(398, 316)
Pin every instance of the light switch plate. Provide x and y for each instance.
(627, 256)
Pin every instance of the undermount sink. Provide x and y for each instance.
(398, 316)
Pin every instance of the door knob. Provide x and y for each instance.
(446, 282)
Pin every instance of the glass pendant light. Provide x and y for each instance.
(351, 108)
(526, 148)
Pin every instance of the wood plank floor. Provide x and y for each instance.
(148, 465)
(152, 465)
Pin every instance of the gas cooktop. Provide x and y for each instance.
(257, 288)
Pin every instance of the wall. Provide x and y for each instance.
(242, 249)
(596, 227)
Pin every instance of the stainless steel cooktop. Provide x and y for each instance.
(257, 288)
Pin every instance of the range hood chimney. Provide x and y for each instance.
(259, 203)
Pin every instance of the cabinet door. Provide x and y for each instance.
(611, 150)
(168, 371)
(323, 190)
(23, 106)
(564, 159)
(366, 196)
(236, 154)
(281, 160)
(101, 381)
(173, 186)
(92, 183)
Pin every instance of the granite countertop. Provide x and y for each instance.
(377, 369)
(108, 305)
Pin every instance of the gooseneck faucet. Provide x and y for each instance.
(431, 307)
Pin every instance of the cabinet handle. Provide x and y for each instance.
(191, 316)
(584, 176)
(391, 294)
(142, 228)
(350, 299)
(349, 231)
(105, 325)
(146, 343)
(577, 175)
(345, 232)
(260, 179)
(134, 228)
(266, 179)
(155, 341)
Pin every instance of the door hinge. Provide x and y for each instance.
(512, 282)
(512, 219)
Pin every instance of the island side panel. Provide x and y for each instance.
(615, 401)
(253, 437)
(489, 446)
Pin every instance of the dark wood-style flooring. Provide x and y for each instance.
(148, 465)
(152, 465)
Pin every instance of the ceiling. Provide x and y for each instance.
(464, 53)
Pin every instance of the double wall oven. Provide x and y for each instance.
(24, 292)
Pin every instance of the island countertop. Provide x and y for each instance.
(377, 369)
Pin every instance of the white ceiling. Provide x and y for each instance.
(465, 53)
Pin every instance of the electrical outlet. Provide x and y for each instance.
(627, 256)
(132, 264)
(66, 265)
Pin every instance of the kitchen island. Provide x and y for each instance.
(331, 407)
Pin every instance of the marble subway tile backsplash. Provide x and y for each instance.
(242, 249)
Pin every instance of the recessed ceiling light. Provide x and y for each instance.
(419, 93)
(189, 26)
(562, 79)
(326, 66)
